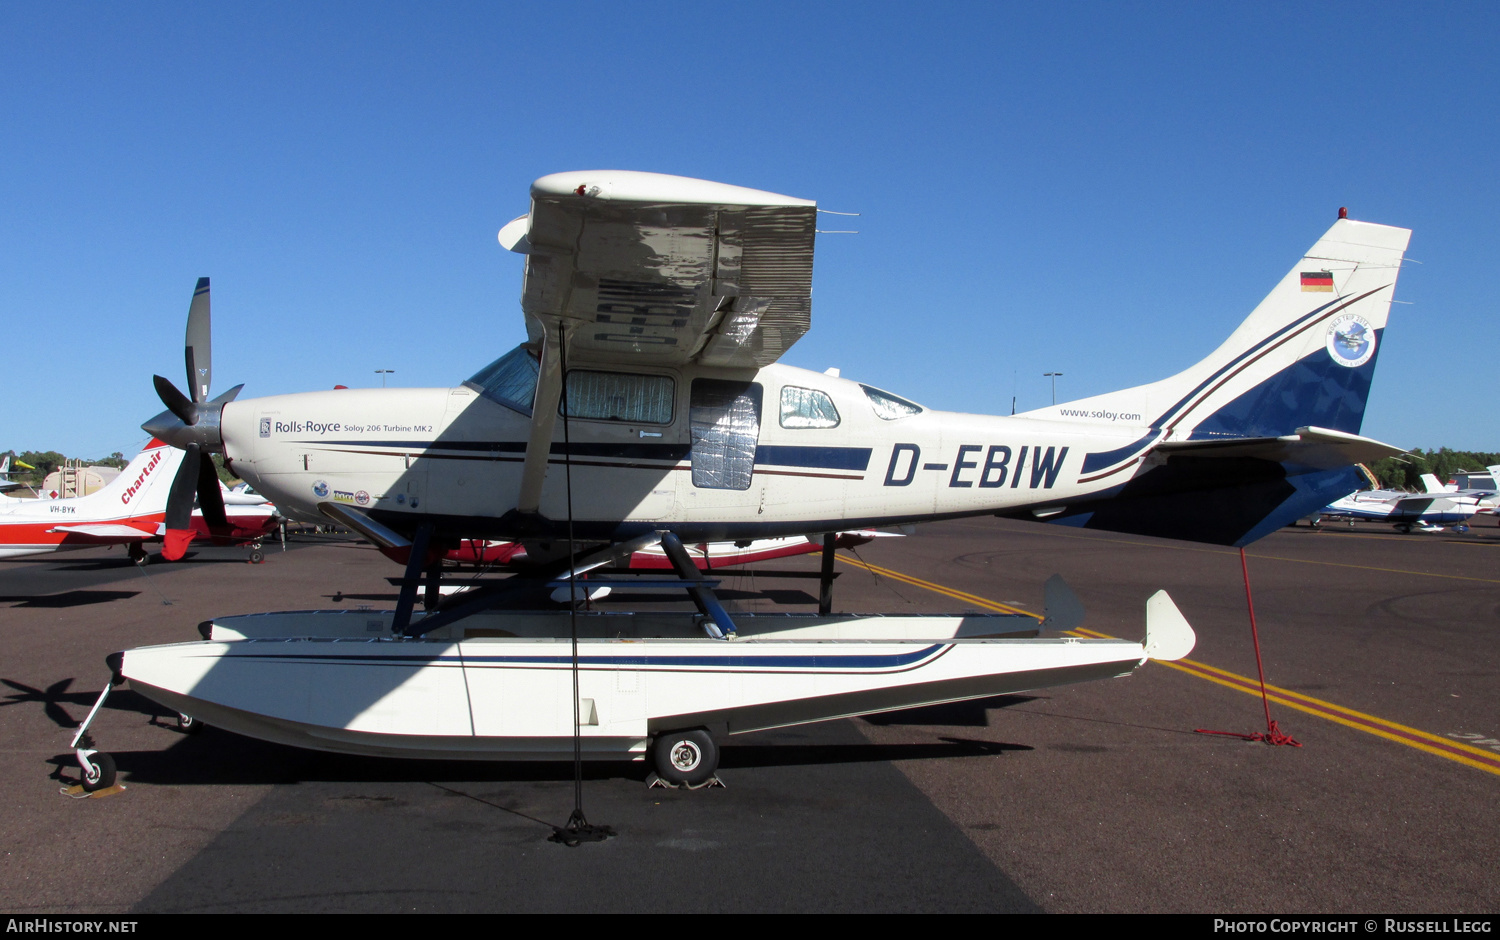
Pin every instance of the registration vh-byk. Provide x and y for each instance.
(647, 407)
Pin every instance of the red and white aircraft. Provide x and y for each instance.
(130, 510)
(706, 556)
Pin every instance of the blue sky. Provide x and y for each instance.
(1102, 190)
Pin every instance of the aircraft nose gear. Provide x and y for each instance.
(685, 759)
(98, 767)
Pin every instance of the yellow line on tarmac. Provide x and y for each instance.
(1448, 748)
(939, 589)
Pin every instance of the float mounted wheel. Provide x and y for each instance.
(685, 758)
(98, 772)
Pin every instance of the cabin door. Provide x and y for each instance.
(724, 419)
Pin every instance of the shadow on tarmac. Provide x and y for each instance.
(215, 757)
(973, 714)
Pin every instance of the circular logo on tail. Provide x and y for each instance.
(1351, 341)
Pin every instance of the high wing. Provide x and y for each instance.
(648, 268)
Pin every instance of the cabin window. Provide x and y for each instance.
(617, 396)
(807, 408)
(724, 420)
(889, 406)
(509, 380)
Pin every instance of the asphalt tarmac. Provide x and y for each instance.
(1380, 650)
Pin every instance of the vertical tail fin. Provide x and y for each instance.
(1304, 357)
(1431, 484)
(141, 488)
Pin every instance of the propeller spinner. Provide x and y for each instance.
(192, 424)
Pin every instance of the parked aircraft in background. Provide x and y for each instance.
(706, 556)
(130, 510)
(1406, 511)
(493, 556)
(1487, 479)
(241, 494)
(1479, 485)
(8, 485)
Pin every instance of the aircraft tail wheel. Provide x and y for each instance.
(685, 758)
(137, 553)
(98, 771)
(257, 556)
(187, 724)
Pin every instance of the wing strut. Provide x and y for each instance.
(543, 419)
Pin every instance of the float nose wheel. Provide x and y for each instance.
(98, 769)
(685, 758)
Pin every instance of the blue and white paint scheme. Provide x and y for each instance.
(656, 309)
(1429, 511)
(670, 301)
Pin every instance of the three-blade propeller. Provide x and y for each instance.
(192, 424)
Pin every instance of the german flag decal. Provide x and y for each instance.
(1321, 281)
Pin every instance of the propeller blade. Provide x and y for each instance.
(180, 504)
(211, 498)
(198, 344)
(176, 402)
(225, 398)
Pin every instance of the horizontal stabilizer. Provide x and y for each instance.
(104, 532)
(1319, 448)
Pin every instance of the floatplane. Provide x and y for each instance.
(647, 408)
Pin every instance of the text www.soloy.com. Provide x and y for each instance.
(1102, 415)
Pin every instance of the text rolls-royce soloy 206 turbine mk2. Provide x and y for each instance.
(648, 405)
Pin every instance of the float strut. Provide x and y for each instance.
(430, 594)
(401, 624)
(719, 625)
(825, 577)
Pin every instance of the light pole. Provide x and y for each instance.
(385, 372)
(1053, 376)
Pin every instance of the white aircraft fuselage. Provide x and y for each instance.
(453, 456)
